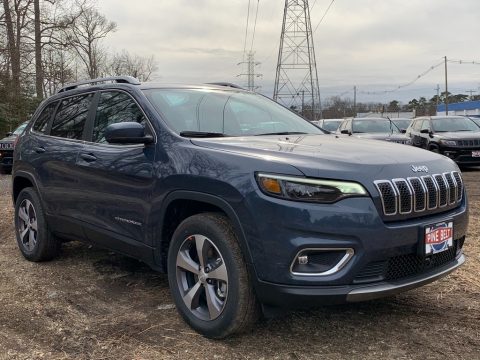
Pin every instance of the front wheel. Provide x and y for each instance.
(208, 277)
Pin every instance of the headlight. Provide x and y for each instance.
(307, 189)
(449, 142)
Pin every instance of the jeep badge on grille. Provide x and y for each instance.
(417, 169)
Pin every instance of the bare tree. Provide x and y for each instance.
(137, 66)
(85, 35)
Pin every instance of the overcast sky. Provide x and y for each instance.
(374, 44)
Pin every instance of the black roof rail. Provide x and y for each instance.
(118, 79)
(226, 84)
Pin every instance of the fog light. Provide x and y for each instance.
(320, 261)
(303, 260)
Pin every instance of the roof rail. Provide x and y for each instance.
(226, 84)
(118, 79)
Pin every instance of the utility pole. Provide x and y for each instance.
(296, 75)
(355, 101)
(250, 74)
(446, 88)
(471, 93)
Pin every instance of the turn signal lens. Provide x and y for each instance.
(271, 185)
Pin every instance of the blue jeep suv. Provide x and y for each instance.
(242, 202)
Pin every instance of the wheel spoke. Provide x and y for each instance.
(214, 305)
(22, 214)
(220, 273)
(202, 246)
(185, 262)
(192, 297)
(34, 225)
(23, 234)
(31, 239)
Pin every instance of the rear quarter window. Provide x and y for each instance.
(43, 119)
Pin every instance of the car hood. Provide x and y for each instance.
(349, 157)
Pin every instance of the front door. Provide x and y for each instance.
(117, 180)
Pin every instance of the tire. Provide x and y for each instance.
(34, 238)
(215, 299)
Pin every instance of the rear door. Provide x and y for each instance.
(55, 145)
(116, 179)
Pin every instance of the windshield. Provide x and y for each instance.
(402, 124)
(19, 130)
(453, 124)
(476, 120)
(331, 125)
(227, 113)
(374, 126)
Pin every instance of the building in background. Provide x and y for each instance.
(463, 108)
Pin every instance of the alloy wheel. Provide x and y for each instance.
(202, 277)
(27, 224)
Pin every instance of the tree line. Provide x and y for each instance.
(45, 44)
(337, 107)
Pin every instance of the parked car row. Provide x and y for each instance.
(457, 137)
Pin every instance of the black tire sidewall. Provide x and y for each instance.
(218, 327)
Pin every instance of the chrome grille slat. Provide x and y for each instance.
(418, 194)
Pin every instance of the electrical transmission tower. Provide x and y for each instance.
(296, 81)
(250, 74)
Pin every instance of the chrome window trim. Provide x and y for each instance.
(425, 191)
(398, 180)
(377, 182)
(349, 252)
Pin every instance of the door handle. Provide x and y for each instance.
(88, 157)
(40, 150)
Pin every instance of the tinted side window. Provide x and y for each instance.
(115, 107)
(425, 125)
(71, 117)
(42, 120)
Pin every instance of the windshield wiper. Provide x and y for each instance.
(201, 134)
(283, 133)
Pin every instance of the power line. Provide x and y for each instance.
(324, 14)
(311, 7)
(254, 26)
(464, 62)
(246, 31)
(403, 85)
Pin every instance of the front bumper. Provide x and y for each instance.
(280, 295)
(462, 156)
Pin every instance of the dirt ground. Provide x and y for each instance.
(92, 304)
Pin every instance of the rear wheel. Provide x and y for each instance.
(208, 277)
(34, 238)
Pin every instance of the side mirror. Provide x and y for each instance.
(9, 134)
(345, 131)
(127, 133)
(403, 131)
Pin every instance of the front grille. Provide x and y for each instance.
(6, 146)
(403, 266)
(419, 194)
(474, 142)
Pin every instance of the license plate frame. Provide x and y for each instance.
(438, 237)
